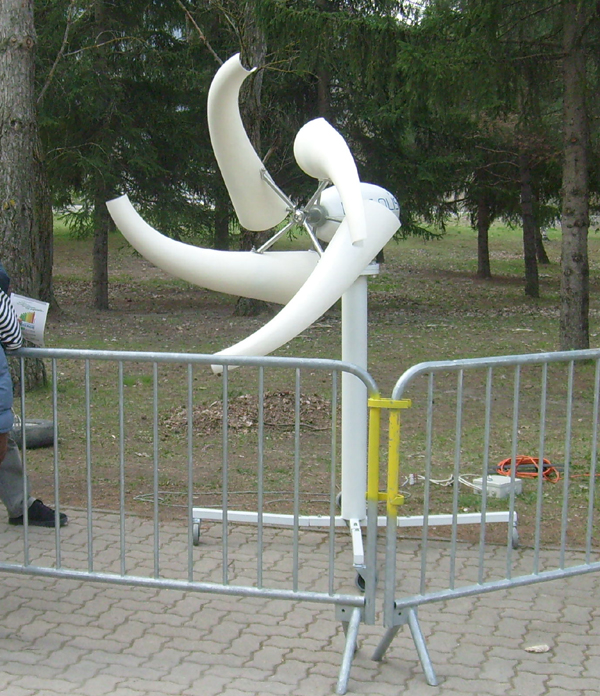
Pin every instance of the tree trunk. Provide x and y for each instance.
(532, 281)
(18, 133)
(324, 76)
(324, 94)
(44, 251)
(254, 56)
(101, 217)
(484, 220)
(24, 209)
(102, 226)
(540, 249)
(221, 232)
(574, 290)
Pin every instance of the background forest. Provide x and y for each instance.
(481, 108)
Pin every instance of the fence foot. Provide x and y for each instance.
(385, 643)
(351, 630)
(421, 647)
(409, 616)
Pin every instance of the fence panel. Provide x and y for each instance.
(146, 445)
(513, 433)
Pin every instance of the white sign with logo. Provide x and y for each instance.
(32, 317)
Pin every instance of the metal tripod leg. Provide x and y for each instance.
(385, 643)
(420, 645)
(351, 631)
(409, 616)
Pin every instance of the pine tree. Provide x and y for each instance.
(25, 222)
(125, 112)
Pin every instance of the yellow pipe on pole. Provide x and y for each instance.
(392, 496)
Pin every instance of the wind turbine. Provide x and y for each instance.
(356, 219)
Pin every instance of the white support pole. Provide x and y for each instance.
(354, 399)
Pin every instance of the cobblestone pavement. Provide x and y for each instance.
(61, 636)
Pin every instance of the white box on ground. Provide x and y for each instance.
(498, 486)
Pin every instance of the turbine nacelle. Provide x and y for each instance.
(326, 215)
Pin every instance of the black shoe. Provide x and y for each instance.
(40, 515)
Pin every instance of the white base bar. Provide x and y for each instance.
(447, 520)
(274, 519)
(268, 518)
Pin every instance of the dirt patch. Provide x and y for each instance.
(246, 412)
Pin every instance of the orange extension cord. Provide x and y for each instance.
(530, 468)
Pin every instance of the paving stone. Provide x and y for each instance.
(475, 686)
(60, 637)
(15, 690)
(527, 684)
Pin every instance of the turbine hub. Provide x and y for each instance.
(316, 215)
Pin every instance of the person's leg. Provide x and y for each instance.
(11, 478)
(3, 445)
(12, 492)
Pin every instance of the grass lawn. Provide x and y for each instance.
(425, 304)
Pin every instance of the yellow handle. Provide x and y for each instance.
(394, 499)
(392, 496)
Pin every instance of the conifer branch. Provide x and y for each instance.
(201, 34)
(61, 50)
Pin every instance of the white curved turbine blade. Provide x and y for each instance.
(257, 205)
(273, 277)
(337, 269)
(322, 153)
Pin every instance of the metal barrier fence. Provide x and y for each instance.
(515, 431)
(156, 461)
(146, 444)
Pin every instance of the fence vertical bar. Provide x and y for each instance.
(456, 476)
(593, 466)
(57, 528)
(373, 465)
(427, 486)
(567, 467)
(225, 477)
(393, 500)
(513, 467)
(485, 469)
(332, 479)
(88, 465)
(155, 468)
(390, 552)
(540, 474)
(261, 476)
(296, 527)
(121, 470)
(26, 560)
(190, 469)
